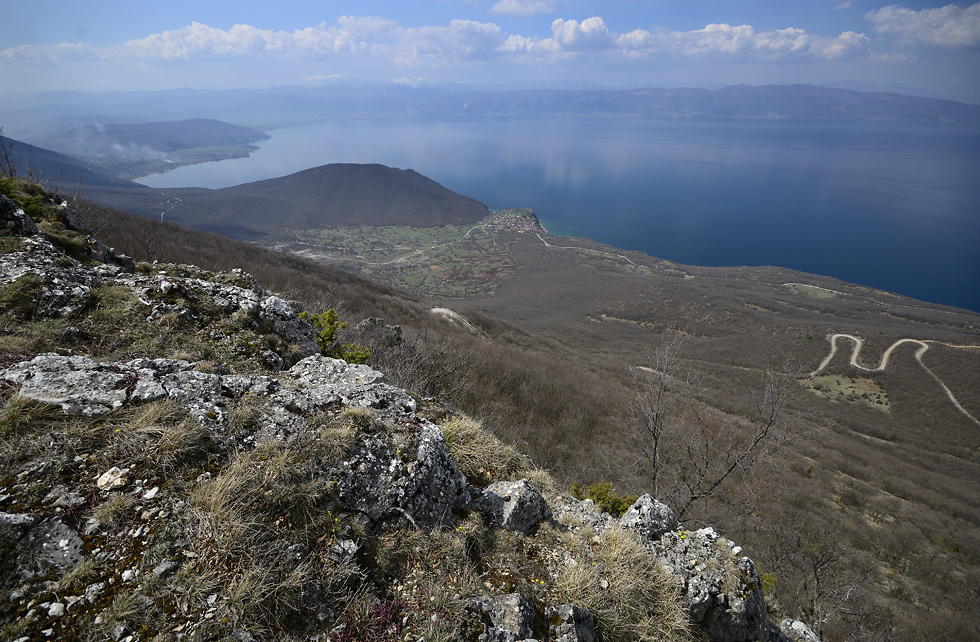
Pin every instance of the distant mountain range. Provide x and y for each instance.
(38, 117)
(741, 101)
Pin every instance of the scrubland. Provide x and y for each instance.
(864, 524)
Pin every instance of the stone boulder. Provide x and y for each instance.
(798, 631)
(516, 506)
(514, 618)
(15, 221)
(77, 384)
(403, 479)
(649, 518)
(506, 618)
(577, 514)
(282, 316)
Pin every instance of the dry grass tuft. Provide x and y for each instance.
(634, 598)
(113, 510)
(245, 521)
(481, 457)
(21, 414)
(79, 575)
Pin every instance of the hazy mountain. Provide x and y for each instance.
(54, 168)
(140, 139)
(330, 195)
(741, 101)
(340, 194)
(32, 118)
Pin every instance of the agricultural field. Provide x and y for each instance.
(451, 261)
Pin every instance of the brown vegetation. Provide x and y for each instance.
(870, 529)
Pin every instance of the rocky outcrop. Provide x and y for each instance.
(720, 587)
(649, 518)
(413, 478)
(514, 618)
(61, 284)
(393, 469)
(14, 220)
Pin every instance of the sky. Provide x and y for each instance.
(113, 45)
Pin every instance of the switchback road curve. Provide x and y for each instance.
(884, 363)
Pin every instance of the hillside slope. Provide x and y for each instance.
(887, 490)
(92, 140)
(181, 462)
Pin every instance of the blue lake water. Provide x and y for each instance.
(888, 205)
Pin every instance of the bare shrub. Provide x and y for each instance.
(693, 453)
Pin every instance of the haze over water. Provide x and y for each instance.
(890, 205)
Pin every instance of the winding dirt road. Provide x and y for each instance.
(884, 363)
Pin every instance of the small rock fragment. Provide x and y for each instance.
(115, 477)
(164, 569)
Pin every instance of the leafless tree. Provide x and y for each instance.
(661, 392)
(820, 580)
(145, 236)
(692, 452)
(8, 164)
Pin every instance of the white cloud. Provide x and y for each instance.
(461, 40)
(742, 41)
(349, 35)
(352, 36)
(27, 54)
(197, 40)
(523, 8)
(591, 33)
(949, 26)
(356, 45)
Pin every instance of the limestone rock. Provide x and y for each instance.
(649, 518)
(798, 631)
(53, 545)
(77, 384)
(567, 623)
(14, 221)
(721, 588)
(415, 481)
(577, 514)
(282, 315)
(516, 506)
(506, 618)
(115, 477)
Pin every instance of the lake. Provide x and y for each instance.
(894, 206)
